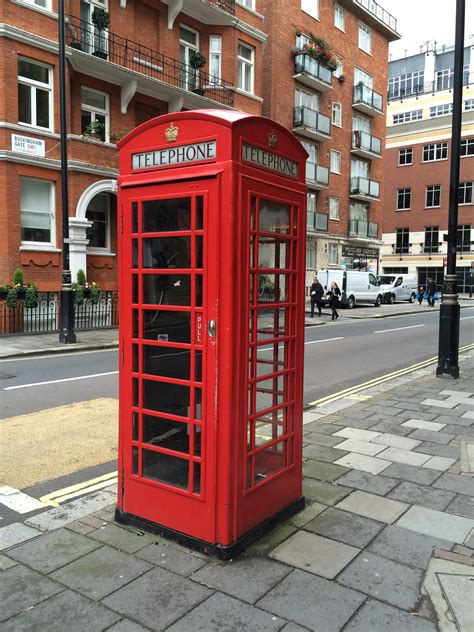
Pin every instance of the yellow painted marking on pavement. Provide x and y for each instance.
(76, 490)
(86, 490)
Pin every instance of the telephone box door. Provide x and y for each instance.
(169, 348)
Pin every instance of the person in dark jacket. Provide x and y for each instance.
(316, 293)
(334, 295)
(419, 294)
(431, 290)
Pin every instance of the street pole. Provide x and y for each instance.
(448, 347)
(66, 329)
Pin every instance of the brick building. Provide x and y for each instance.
(139, 65)
(419, 120)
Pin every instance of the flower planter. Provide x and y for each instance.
(100, 53)
(76, 45)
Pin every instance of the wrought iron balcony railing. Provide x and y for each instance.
(228, 6)
(441, 84)
(365, 187)
(366, 142)
(308, 65)
(365, 96)
(305, 117)
(134, 56)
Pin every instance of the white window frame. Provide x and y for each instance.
(405, 192)
(334, 206)
(336, 158)
(42, 245)
(432, 190)
(94, 110)
(339, 67)
(333, 254)
(341, 23)
(438, 149)
(215, 53)
(469, 105)
(365, 41)
(311, 7)
(466, 186)
(468, 145)
(441, 110)
(244, 62)
(361, 76)
(35, 4)
(106, 248)
(336, 113)
(34, 85)
(445, 78)
(248, 4)
(406, 117)
(407, 151)
(311, 209)
(406, 85)
(306, 99)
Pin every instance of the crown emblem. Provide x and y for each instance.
(171, 133)
(272, 139)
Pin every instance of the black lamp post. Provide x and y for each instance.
(448, 349)
(66, 329)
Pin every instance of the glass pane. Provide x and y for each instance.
(270, 392)
(161, 216)
(269, 427)
(134, 217)
(199, 212)
(135, 288)
(198, 403)
(167, 252)
(270, 359)
(135, 322)
(134, 460)
(271, 323)
(199, 252)
(94, 99)
(134, 426)
(33, 71)
(24, 104)
(134, 253)
(135, 358)
(269, 461)
(165, 433)
(199, 290)
(167, 398)
(135, 392)
(167, 289)
(197, 478)
(272, 288)
(42, 108)
(167, 362)
(273, 253)
(198, 366)
(274, 217)
(167, 326)
(165, 468)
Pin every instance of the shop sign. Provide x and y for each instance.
(267, 159)
(183, 154)
(27, 145)
(357, 251)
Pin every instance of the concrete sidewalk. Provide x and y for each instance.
(386, 541)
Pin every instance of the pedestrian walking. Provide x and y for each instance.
(431, 291)
(316, 296)
(334, 299)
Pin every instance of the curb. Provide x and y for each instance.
(60, 350)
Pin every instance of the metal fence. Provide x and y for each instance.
(46, 316)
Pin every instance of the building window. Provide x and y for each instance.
(405, 156)
(336, 114)
(98, 212)
(44, 4)
(403, 199)
(312, 209)
(467, 147)
(465, 192)
(433, 196)
(463, 241)
(365, 38)
(360, 76)
(215, 59)
(469, 105)
(405, 85)
(35, 94)
(95, 109)
(431, 239)
(310, 254)
(445, 79)
(339, 67)
(441, 110)
(403, 238)
(305, 99)
(339, 17)
(335, 161)
(37, 211)
(333, 254)
(188, 45)
(311, 7)
(437, 151)
(250, 4)
(406, 117)
(334, 208)
(246, 56)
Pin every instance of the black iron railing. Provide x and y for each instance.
(45, 316)
(124, 52)
(440, 84)
(228, 6)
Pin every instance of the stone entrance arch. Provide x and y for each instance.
(78, 225)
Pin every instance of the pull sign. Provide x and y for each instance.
(199, 329)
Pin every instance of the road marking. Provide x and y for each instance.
(467, 317)
(19, 501)
(315, 342)
(66, 379)
(54, 499)
(384, 331)
(59, 354)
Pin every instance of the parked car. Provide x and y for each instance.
(356, 287)
(398, 287)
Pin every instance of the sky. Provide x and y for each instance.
(422, 20)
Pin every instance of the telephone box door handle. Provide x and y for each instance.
(211, 328)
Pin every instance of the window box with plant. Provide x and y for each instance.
(95, 130)
(18, 290)
(84, 291)
(319, 49)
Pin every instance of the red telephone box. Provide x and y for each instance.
(212, 221)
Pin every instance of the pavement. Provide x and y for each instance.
(385, 542)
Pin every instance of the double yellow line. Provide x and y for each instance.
(54, 499)
(348, 392)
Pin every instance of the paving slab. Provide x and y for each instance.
(16, 533)
(383, 579)
(308, 513)
(440, 403)
(440, 463)
(437, 449)
(372, 506)
(122, 538)
(375, 616)
(368, 482)
(315, 554)
(321, 453)
(312, 601)
(439, 437)
(324, 493)
(6, 562)
(345, 527)
(462, 506)
(323, 426)
(22, 588)
(396, 441)
(364, 463)
(247, 578)
(437, 523)
(454, 483)
(322, 470)
(157, 599)
(411, 473)
(319, 438)
(357, 433)
(271, 540)
(422, 424)
(174, 559)
(407, 457)
(125, 625)
(101, 572)
(422, 495)
(391, 428)
(65, 611)
(360, 446)
(292, 627)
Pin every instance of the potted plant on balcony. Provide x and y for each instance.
(100, 19)
(197, 61)
(84, 291)
(19, 290)
(94, 130)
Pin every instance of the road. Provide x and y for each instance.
(337, 355)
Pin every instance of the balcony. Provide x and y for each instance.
(217, 12)
(374, 15)
(312, 73)
(317, 177)
(367, 101)
(365, 145)
(311, 124)
(363, 229)
(364, 189)
(137, 68)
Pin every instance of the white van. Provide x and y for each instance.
(355, 286)
(398, 287)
